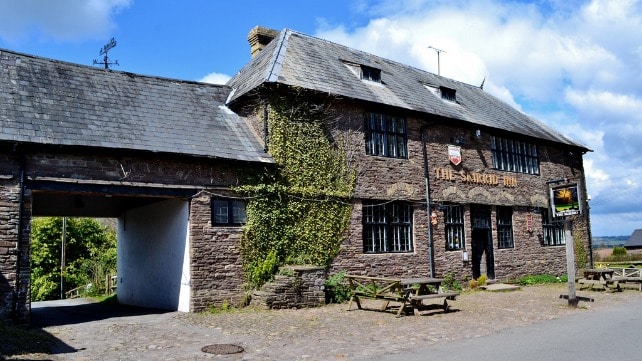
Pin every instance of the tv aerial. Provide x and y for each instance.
(103, 51)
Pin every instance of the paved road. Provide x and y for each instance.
(605, 334)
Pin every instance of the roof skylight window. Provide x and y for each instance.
(370, 74)
(448, 94)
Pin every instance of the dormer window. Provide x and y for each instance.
(445, 93)
(448, 94)
(370, 74)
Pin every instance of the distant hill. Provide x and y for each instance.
(609, 241)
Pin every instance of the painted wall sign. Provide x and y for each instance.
(476, 177)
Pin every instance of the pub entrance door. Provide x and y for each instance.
(482, 240)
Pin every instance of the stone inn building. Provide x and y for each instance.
(449, 178)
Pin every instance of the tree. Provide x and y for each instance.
(90, 254)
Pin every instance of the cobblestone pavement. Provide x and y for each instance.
(325, 333)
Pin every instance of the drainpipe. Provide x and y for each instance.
(265, 126)
(431, 256)
(16, 291)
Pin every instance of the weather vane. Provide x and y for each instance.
(103, 51)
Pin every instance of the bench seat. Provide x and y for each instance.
(448, 295)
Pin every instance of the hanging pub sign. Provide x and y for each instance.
(454, 154)
(565, 200)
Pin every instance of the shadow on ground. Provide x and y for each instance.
(34, 339)
(67, 312)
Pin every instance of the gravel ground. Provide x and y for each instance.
(325, 333)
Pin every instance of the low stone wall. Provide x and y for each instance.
(294, 287)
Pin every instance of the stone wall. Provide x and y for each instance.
(216, 266)
(294, 287)
(382, 178)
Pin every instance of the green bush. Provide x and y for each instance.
(337, 289)
(449, 283)
(541, 279)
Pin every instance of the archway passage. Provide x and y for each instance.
(152, 240)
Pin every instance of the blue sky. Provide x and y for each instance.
(575, 65)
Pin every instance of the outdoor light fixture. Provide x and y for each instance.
(559, 180)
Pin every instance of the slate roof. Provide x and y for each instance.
(45, 101)
(300, 60)
(635, 240)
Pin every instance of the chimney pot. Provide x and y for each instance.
(259, 37)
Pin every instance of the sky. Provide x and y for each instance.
(575, 65)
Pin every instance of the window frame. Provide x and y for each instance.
(232, 218)
(387, 227)
(514, 155)
(504, 223)
(453, 226)
(386, 135)
(552, 230)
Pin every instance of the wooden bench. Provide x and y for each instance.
(630, 278)
(377, 288)
(409, 292)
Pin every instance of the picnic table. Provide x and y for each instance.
(603, 278)
(409, 292)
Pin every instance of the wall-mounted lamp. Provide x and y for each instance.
(459, 140)
(477, 133)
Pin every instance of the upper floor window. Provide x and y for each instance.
(552, 231)
(514, 156)
(386, 135)
(228, 212)
(505, 227)
(371, 74)
(387, 227)
(454, 225)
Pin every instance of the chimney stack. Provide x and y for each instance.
(259, 37)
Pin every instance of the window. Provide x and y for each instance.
(505, 227)
(448, 94)
(386, 135)
(454, 225)
(371, 74)
(387, 227)
(514, 156)
(553, 232)
(228, 212)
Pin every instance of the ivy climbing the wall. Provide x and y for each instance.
(298, 214)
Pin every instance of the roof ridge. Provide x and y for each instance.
(274, 69)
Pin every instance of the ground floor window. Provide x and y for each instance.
(228, 212)
(505, 227)
(454, 226)
(387, 227)
(552, 231)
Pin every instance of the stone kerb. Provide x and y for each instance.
(293, 287)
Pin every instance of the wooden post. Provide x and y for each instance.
(570, 263)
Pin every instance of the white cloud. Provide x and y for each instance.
(576, 65)
(215, 78)
(60, 20)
